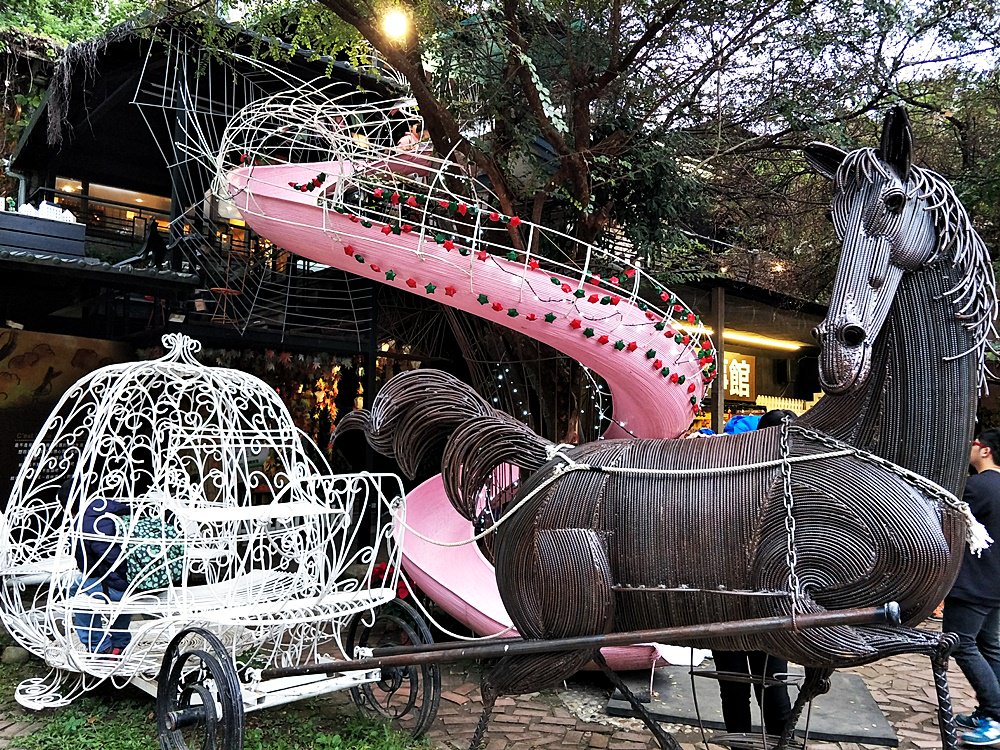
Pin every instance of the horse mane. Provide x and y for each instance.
(974, 295)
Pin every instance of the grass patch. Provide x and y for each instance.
(110, 719)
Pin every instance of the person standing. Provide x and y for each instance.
(745, 667)
(972, 607)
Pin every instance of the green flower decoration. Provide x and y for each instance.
(550, 317)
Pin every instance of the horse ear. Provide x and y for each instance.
(824, 158)
(896, 148)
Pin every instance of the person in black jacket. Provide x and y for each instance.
(972, 607)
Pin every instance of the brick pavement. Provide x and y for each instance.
(573, 716)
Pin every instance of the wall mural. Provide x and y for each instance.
(35, 371)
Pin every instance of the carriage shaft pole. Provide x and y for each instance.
(446, 653)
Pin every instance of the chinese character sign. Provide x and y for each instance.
(739, 377)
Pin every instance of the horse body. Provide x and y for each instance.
(691, 547)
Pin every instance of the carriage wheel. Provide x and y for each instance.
(407, 696)
(198, 701)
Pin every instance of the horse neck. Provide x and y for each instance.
(917, 407)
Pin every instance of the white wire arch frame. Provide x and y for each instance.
(309, 110)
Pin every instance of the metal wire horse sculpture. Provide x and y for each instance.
(853, 505)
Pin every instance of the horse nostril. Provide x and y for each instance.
(852, 335)
(816, 333)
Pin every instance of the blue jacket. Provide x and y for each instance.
(97, 558)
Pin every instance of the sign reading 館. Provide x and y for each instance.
(739, 377)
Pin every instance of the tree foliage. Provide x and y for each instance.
(653, 119)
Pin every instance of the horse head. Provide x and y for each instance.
(886, 231)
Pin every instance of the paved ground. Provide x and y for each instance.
(573, 716)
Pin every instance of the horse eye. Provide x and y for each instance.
(894, 200)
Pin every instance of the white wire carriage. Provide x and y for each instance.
(258, 543)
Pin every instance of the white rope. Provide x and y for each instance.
(442, 628)
(507, 514)
(572, 465)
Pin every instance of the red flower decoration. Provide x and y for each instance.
(482, 255)
(412, 283)
(686, 340)
(678, 308)
(443, 204)
(378, 192)
(615, 299)
(593, 298)
(533, 264)
(650, 314)
(497, 306)
(630, 272)
(355, 219)
(317, 182)
(566, 288)
(530, 316)
(657, 364)
(691, 388)
(406, 228)
(494, 216)
(674, 377)
(348, 250)
(575, 323)
(394, 198)
(613, 280)
(632, 346)
(449, 245)
(665, 296)
(374, 267)
(462, 209)
(595, 279)
(603, 339)
(411, 202)
(386, 229)
(450, 291)
(690, 318)
(515, 221)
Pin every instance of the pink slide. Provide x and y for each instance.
(462, 581)
(357, 216)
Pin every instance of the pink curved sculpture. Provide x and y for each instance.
(394, 217)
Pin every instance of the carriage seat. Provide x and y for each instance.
(259, 595)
